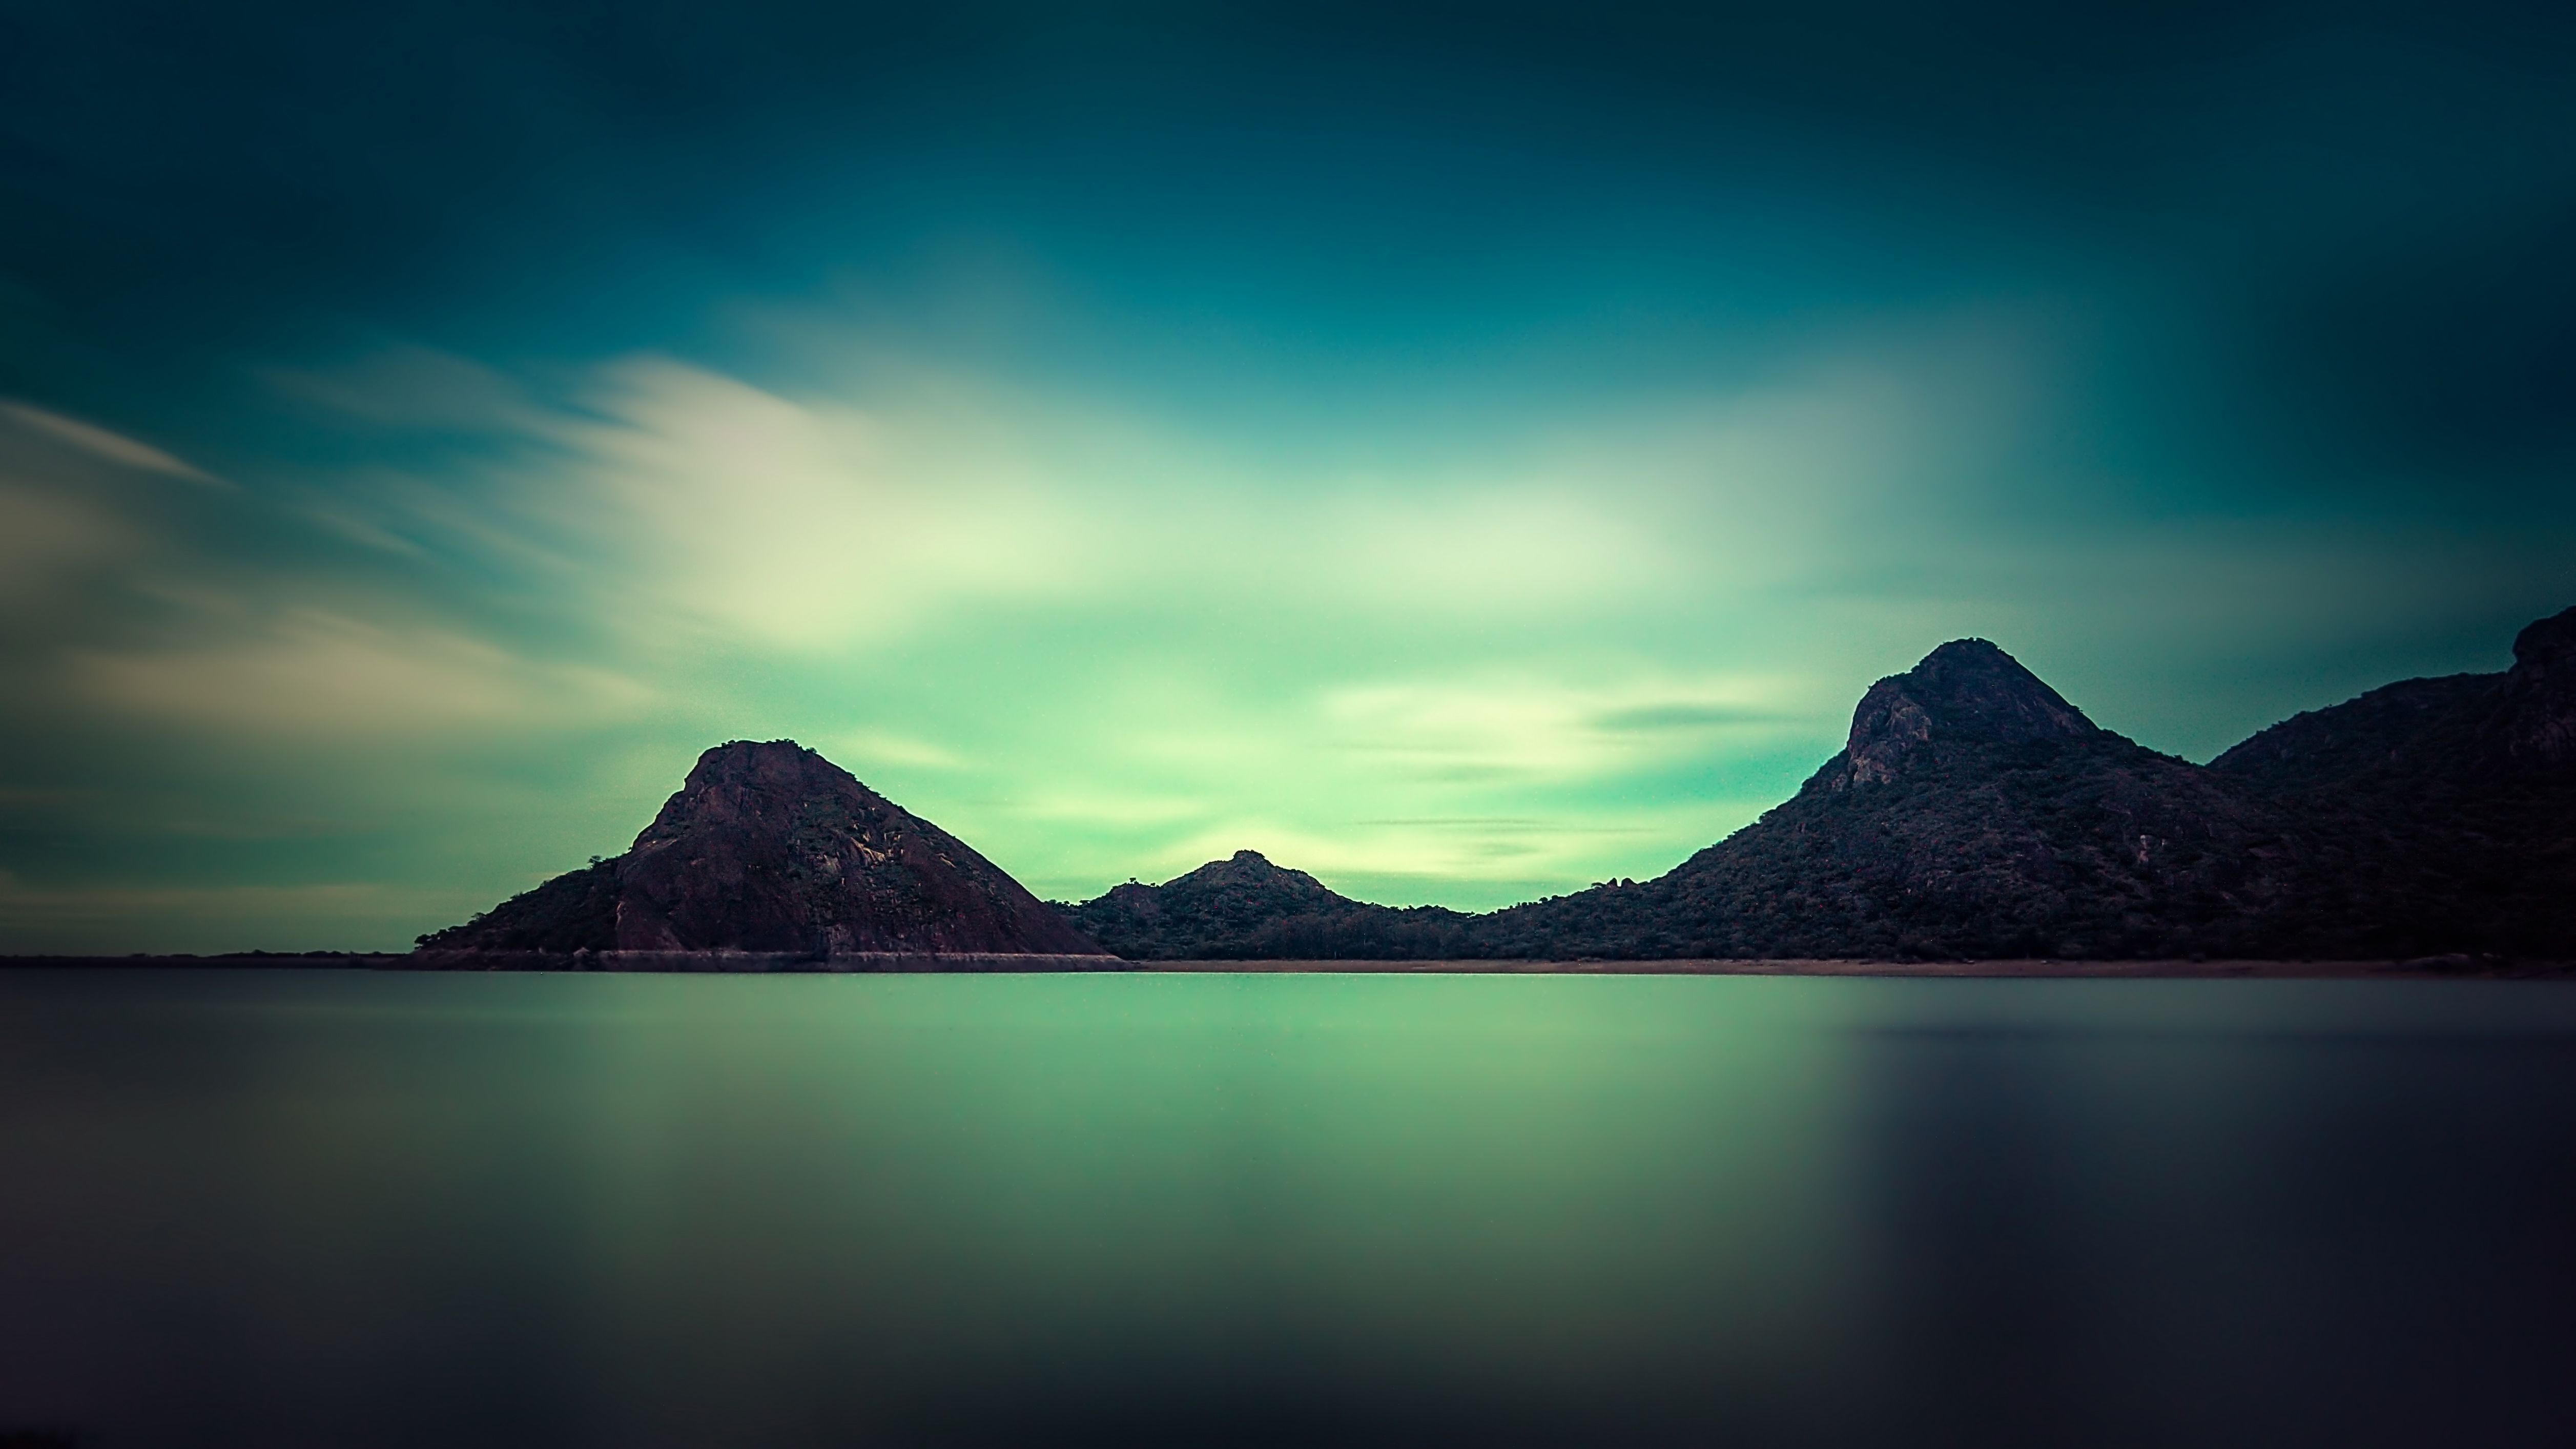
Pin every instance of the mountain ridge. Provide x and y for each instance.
(1974, 812)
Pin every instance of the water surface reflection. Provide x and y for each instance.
(285, 1209)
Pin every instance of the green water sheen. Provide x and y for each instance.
(285, 1208)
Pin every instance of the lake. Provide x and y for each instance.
(341, 1208)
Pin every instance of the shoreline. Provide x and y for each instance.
(2452, 967)
(2427, 968)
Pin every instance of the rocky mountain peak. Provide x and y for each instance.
(1250, 870)
(767, 846)
(1243, 865)
(1213, 911)
(1966, 692)
(1979, 691)
(742, 781)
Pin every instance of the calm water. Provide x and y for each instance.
(341, 1209)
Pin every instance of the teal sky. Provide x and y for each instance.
(1465, 453)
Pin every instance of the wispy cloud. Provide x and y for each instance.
(681, 503)
(99, 442)
(407, 387)
(1544, 729)
(794, 524)
(310, 673)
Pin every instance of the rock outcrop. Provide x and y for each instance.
(772, 848)
(2538, 711)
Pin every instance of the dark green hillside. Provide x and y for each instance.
(2324, 748)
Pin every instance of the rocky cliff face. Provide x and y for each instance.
(2538, 710)
(771, 847)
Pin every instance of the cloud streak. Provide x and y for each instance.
(99, 442)
(312, 674)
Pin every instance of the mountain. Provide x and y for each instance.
(2458, 797)
(1247, 909)
(771, 847)
(1971, 812)
(1974, 812)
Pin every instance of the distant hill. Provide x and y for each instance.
(1974, 812)
(1246, 909)
(771, 847)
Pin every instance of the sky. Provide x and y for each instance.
(1465, 452)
